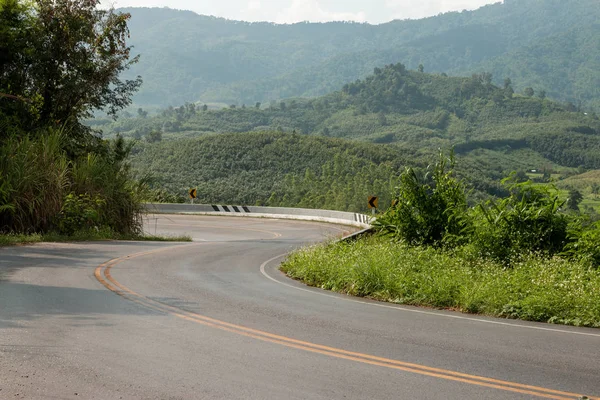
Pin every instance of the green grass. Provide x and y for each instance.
(590, 201)
(86, 236)
(536, 289)
(15, 239)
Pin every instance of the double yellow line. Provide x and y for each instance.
(103, 275)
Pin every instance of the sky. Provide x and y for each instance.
(290, 11)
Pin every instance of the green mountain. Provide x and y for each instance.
(549, 45)
(392, 118)
(395, 105)
(567, 65)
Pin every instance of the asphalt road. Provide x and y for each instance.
(215, 319)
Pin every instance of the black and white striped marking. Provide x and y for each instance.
(363, 219)
(234, 209)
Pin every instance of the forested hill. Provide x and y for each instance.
(393, 118)
(550, 45)
(399, 106)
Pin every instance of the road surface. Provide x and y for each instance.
(215, 319)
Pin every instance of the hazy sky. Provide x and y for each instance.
(287, 11)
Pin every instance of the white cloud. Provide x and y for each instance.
(311, 10)
(288, 11)
(254, 5)
(402, 9)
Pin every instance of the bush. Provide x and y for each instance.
(428, 210)
(42, 190)
(529, 220)
(106, 175)
(586, 245)
(35, 180)
(79, 213)
(432, 211)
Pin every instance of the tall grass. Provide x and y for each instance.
(34, 181)
(551, 290)
(42, 190)
(108, 178)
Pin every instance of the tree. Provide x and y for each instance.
(421, 68)
(190, 109)
(498, 97)
(575, 198)
(257, 105)
(595, 189)
(282, 106)
(204, 107)
(66, 57)
(546, 176)
(141, 113)
(486, 78)
(508, 90)
(16, 102)
(542, 94)
(521, 176)
(529, 92)
(154, 136)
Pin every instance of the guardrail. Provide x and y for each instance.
(336, 217)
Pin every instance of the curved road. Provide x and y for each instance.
(215, 319)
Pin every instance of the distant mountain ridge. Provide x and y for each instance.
(188, 57)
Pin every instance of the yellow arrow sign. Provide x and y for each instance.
(193, 193)
(373, 202)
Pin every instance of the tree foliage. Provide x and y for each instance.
(272, 169)
(62, 59)
(429, 209)
(59, 61)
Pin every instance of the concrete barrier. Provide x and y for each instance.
(336, 217)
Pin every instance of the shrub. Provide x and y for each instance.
(586, 245)
(529, 220)
(106, 175)
(79, 213)
(35, 179)
(428, 210)
(42, 190)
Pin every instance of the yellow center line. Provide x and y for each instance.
(102, 274)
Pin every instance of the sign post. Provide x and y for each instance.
(193, 194)
(373, 203)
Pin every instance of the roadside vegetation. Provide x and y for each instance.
(84, 236)
(61, 61)
(529, 255)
